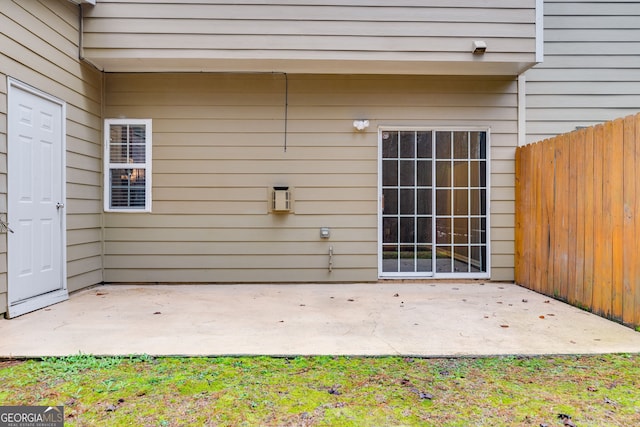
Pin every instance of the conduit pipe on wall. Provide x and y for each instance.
(330, 259)
(286, 108)
(81, 38)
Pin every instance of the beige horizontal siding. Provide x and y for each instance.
(222, 275)
(219, 233)
(137, 36)
(591, 69)
(219, 148)
(80, 281)
(204, 221)
(39, 46)
(239, 179)
(207, 249)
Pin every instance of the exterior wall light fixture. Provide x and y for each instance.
(479, 47)
(360, 124)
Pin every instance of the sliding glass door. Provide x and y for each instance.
(434, 203)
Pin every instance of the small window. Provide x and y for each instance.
(127, 180)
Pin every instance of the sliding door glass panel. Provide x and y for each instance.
(443, 230)
(424, 258)
(477, 145)
(389, 173)
(443, 259)
(390, 200)
(478, 259)
(423, 201)
(460, 174)
(424, 230)
(407, 258)
(460, 230)
(390, 146)
(390, 258)
(407, 145)
(423, 140)
(461, 202)
(460, 145)
(443, 201)
(443, 145)
(461, 259)
(390, 225)
(407, 202)
(443, 174)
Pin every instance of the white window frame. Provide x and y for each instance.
(108, 165)
(434, 274)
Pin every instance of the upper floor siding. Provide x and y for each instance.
(591, 68)
(313, 36)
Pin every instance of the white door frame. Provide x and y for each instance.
(16, 308)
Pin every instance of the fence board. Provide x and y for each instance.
(578, 174)
(598, 231)
(636, 237)
(606, 266)
(589, 217)
(577, 218)
(604, 235)
(538, 263)
(561, 229)
(630, 260)
(616, 187)
(549, 153)
(519, 227)
(546, 182)
(529, 235)
(572, 222)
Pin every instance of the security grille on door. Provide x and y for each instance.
(128, 165)
(434, 203)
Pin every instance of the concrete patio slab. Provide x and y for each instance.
(417, 319)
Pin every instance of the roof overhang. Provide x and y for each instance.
(235, 65)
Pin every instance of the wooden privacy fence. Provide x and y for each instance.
(578, 218)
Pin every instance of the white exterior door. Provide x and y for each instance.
(35, 194)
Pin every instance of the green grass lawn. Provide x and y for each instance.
(330, 391)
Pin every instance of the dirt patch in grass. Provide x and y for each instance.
(9, 362)
(326, 391)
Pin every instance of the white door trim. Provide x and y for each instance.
(16, 308)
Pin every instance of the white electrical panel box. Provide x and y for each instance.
(281, 199)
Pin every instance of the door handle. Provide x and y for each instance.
(59, 205)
